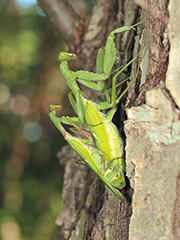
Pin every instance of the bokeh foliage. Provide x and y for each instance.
(30, 174)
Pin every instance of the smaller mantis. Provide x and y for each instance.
(106, 158)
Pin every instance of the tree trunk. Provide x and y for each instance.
(152, 128)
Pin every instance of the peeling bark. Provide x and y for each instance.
(153, 160)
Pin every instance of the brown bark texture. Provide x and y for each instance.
(152, 127)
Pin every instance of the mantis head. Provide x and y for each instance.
(53, 107)
(65, 56)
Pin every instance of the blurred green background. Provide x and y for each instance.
(30, 174)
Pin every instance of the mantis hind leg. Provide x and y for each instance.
(115, 101)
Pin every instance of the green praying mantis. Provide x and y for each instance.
(102, 149)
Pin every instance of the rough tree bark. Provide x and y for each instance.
(152, 128)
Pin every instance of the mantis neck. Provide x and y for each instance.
(68, 75)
